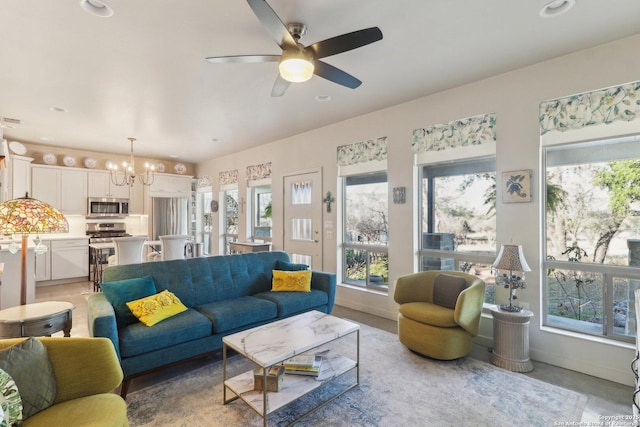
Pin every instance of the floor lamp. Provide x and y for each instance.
(25, 216)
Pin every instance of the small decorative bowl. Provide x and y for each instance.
(180, 168)
(49, 158)
(69, 161)
(90, 163)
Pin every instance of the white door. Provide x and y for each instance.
(303, 218)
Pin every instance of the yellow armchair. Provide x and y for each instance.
(87, 371)
(434, 330)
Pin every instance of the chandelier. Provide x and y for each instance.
(128, 174)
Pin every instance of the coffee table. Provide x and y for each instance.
(271, 344)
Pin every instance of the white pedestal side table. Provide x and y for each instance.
(511, 340)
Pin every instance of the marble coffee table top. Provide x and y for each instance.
(274, 342)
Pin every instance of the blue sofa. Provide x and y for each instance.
(223, 295)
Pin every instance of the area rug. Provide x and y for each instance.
(397, 388)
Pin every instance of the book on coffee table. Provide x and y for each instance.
(303, 364)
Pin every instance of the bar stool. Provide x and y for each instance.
(128, 250)
(173, 246)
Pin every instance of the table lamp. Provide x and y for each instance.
(511, 258)
(25, 216)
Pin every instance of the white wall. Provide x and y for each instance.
(515, 98)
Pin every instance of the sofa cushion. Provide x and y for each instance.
(156, 308)
(446, 288)
(29, 366)
(289, 266)
(238, 312)
(119, 292)
(295, 302)
(431, 314)
(186, 326)
(293, 281)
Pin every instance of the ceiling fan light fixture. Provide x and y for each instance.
(296, 69)
(556, 7)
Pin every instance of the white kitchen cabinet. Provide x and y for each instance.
(100, 185)
(20, 176)
(43, 263)
(63, 188)
(169, 185)
(10, 287)
(69, 258)
(137, 199)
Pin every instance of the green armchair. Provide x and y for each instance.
(434, 330)
(87, 370)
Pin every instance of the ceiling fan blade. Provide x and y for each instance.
(344, 42)
(280, 86)
(272, 23)
(242, 59)
(335, 75)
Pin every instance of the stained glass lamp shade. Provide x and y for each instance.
(25, 216)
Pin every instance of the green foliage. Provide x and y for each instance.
(555, 197)
(623, 182)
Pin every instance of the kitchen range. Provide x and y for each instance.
(102, 232)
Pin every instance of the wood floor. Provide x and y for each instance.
(605, 397)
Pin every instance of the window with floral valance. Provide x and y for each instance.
(458, 139)
(362, 157)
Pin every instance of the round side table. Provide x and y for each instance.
(36, 320)
(511, 340)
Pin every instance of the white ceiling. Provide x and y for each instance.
(142, 72)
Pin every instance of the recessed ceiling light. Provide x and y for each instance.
(58, 109)
(215, 139)
(96, 8)
(45, 138)
(556, 7)
(323, 98)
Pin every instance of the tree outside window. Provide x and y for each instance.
(593, 237)
(366, 228)
(458, 227)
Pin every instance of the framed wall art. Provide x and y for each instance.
(516, 186)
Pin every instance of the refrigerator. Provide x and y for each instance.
(169, 216)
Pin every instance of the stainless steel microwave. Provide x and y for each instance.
(103, 207)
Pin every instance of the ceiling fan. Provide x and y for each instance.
(298, 63)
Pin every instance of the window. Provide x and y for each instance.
(261, 213)
(204, 225)
(592, 234)
(458, 221)
(366, 231)
(231, 218)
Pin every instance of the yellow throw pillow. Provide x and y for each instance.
(292, 281)
(154, 308)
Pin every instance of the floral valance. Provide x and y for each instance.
(604, 106)
(204, 181)
(471, 131)
(228, 177)
(362, 152)
(258, 172)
